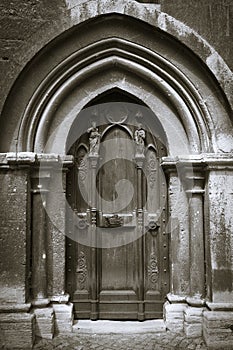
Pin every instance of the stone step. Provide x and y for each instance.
(116, 327)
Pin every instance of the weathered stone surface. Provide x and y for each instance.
(16, 330)
(174, 316)
(63, 318)
(14, 308)
(206, 17)
(217, 329)
(193, 330)
(193, 315)
(13, 236)
(44, 323)
(220, 201)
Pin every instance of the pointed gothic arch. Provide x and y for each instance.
(182, 94)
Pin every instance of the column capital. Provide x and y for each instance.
(93, 159)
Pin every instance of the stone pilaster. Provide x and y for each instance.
(16, 323)
(218, 206)
(195, 183)
(178, 229)
(48, 320)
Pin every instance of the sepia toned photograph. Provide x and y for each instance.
(116, 174)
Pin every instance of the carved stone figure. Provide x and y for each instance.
(94, 139)
(139, 137)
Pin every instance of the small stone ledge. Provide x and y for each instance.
(30, 158)
(40, 303)
(203, 159)
(14, 308)
(220, 306)
(174, 298)
(195, 301)
(60, 299)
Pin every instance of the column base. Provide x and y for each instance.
(174, 316)
(63, 318)
(193, 321)
(218, 329)
(16, 326)
(44, 323)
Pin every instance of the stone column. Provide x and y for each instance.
(48, 245)
(196, 182)
(139, 159)
(178, 229)
(56, 238)
(93, 161)
(194, 174)
(39, 254)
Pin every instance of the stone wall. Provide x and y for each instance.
(212, 19)
(29, 24)
(26, 27)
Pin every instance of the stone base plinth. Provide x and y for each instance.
(193, 317)
(16, 330)
(174, 316)
(63, 318)
(44, 323)
(218, 329)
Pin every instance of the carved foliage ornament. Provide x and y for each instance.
(153, 272)
(81, 163)
(82, 270)
(152, 168)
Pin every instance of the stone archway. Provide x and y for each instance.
(176, 87)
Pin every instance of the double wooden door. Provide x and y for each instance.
(117, 245)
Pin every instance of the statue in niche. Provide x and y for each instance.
(94, 139)
(139, 138)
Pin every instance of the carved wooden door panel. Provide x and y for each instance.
(117, 250)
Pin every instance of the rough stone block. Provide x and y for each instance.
(16, 330)
(44, 324)
(218, 320)
(174, 316)
(63, 318)
(193, 315)
(193, 330)
(217, 329)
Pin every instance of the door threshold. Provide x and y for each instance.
(118, 327)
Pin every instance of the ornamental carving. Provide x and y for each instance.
(82, 163)
(139, 138)
(94, 139)
(152, 169)
(82, 270)
(153, 272)
(114, 221)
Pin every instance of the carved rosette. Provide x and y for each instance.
(82, 270)
(153, 272)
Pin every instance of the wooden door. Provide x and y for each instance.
(117, 254)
